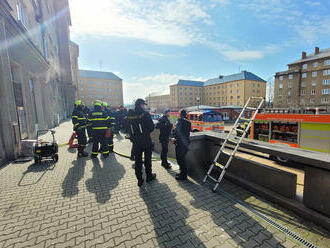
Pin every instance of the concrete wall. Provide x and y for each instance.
(203, 150)
(317, 189)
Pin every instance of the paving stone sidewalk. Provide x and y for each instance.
(96, 203)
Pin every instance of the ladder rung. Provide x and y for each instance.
(251, 108)
(244, 119)
(212, 178)
(239, 130)
(219, 165)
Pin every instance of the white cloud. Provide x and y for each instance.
(166, 22)
(306, 24)
(234, 54)
(143, 86)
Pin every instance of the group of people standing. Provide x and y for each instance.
(138, 125)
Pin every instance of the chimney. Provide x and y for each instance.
(317, 50)
(303, 55)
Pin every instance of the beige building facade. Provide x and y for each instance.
(36, 90)
(186, 93)
(306, 83)
(231, 90)
(158, 103)
(100, 85)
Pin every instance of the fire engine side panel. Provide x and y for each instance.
(315, 137)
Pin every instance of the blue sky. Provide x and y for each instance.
(152, 44)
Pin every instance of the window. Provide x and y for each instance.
(108, 84)
(314, 74)
(81, 89)
(326, 81)
(313, 92)
(304, 75)
(290, 85)
(324, 100)
(303, 92)
(82, 97)
(280, 93)
(315, 64)
(253, 85)
(327, 62)
(281, 86)
(99, 89)
(80, 81)
(109, 90)
(238, 91)
(325, 91)
(238, 84)
(326, 72)
(238, 97)
(258, 91)
(290, 76)
(99, 83)
(311, 100)
(313, 83)
(253, 91)
(90, 82)
(304, 66)
(289, 93)
(303, 84)
(281, 78)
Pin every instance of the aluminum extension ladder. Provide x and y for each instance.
(258, 102)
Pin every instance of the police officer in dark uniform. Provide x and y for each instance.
(112, 121)
(140, 127)
(181, 139)
(165, 127)
(100, 124)
(79, 121)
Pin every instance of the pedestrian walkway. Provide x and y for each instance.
(96, 203)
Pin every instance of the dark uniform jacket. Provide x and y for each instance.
(140, 125)
(112, 118)
(182, 132)
(99, 119)
(79, 119)
(165, 127)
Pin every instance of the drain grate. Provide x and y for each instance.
(270, 221)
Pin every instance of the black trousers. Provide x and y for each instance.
(181, 151)
(90, 132)
(110, 142)
(163, 154)
(82, 139)
(99, 139)
(139, 149)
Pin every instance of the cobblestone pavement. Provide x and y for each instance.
(85, 203)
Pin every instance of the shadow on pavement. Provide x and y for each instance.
(169, 218)
(44, 166)
(74, 175)
(228, 219)
(106, 177)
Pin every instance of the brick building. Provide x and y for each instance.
(100, 85)
(36, 90)
(306, 83)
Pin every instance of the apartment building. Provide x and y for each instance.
(158, 102)
(36, 90)
(100, 85)
(186, 93)
(306, 83)
(233, 90)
